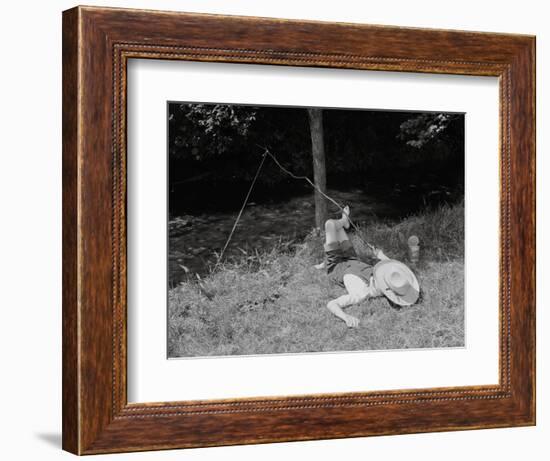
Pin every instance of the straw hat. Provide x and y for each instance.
(397, 282)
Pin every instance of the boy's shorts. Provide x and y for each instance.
(359, 268)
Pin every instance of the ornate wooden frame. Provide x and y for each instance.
(97, 43)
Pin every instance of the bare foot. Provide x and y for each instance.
(345, 216)
(351, 321)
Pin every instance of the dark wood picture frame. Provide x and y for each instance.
(97, 43)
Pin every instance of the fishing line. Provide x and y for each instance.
(294, 176)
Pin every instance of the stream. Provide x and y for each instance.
(194, 240)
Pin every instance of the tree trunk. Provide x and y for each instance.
(319, 165)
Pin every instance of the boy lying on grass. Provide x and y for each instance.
(388, 277)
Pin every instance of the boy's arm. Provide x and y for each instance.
(376, 253)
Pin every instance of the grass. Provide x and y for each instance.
(275, 301)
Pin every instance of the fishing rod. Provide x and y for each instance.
(312, 184)
(266, 153)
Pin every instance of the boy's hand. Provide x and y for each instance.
(351, 321)
(320, 266)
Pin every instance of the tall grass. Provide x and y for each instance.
(274, 301)
(441, 234)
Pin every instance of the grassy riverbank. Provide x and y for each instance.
(274, 301)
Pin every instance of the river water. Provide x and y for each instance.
(194, 240)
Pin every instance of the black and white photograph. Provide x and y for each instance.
(312, 229)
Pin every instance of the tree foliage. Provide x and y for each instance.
(218, 147)
(202, 130)
(228, 139)
(419, 130)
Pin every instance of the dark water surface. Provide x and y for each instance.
(195, 239)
